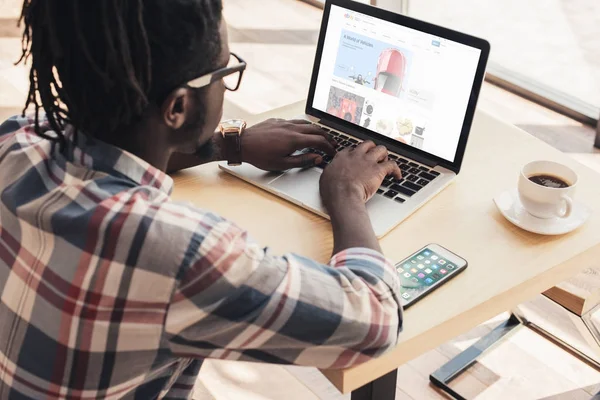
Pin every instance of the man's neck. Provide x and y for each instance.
(209, 152)
(146, 142)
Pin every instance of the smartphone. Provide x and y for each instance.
(426, 270)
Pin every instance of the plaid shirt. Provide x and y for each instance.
(111, 290)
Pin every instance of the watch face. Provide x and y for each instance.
(233, 124)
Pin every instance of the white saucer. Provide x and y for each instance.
(510, 206)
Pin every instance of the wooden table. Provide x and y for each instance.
(507, 265)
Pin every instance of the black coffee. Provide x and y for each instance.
(550, 181)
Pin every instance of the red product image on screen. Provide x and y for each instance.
(348, 110)
(390, 72)
(345, 105)
(345, 110)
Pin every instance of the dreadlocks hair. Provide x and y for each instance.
(98, 64)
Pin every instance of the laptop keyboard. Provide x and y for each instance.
(414, 176)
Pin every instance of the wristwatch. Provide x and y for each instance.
(232, 131)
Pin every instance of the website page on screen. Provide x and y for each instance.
(402, 83)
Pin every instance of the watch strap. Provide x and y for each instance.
(232, 147)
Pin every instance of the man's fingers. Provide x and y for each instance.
(314, 130)
(317, 142)
(364, 146)
(302, 161)
(391, 168)
(300, 122)
(306, 128)
(309, 129)
(379, 153)
(302, 126)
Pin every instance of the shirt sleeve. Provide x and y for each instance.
(235, 301)
(11, 125)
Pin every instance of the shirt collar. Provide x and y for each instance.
(100, 156)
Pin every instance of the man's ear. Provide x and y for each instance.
(177, 107)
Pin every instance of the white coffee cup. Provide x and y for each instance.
(547, 202)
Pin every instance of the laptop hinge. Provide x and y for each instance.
(393, 148)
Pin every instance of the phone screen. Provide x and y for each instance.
(424, 271)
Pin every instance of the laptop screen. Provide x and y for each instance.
(408, 85)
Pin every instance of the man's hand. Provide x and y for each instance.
(270, 144)
(357, 174)
(351, 179)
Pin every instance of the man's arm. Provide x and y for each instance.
(351, 225)
(268, 146)
(346, 185)
(235, 301)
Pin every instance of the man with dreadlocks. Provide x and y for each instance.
(108, 289)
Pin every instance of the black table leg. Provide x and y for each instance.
(443, 376)
(597, 142)
(383, 388)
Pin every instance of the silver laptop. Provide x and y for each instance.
(406, 84)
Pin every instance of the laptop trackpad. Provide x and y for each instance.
(302, 185)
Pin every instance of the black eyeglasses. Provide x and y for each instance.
(231, 75)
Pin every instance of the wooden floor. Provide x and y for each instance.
(277, 39)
